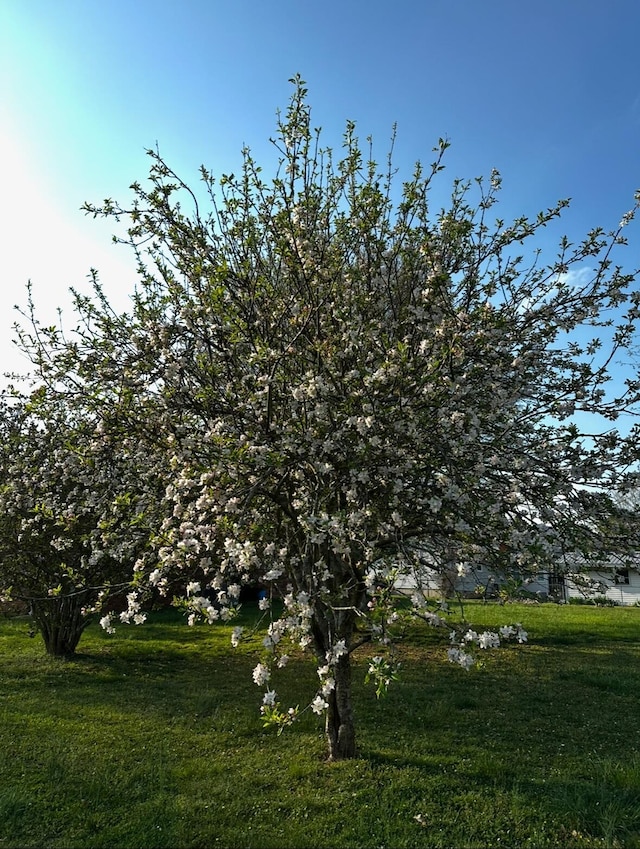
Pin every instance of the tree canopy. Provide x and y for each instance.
(72, 515)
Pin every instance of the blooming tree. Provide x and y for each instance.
(71, 520)
(352, 385)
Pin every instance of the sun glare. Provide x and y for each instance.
(47, 240)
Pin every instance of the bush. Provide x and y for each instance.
(595, 601)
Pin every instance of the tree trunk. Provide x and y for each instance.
(332, 624)
(60, 622)
(340, 728)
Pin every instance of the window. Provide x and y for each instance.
(621, 576)
(556, 583)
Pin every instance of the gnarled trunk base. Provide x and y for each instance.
(60, 622)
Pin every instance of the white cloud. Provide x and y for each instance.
(577, 277)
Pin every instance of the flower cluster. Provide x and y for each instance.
(381, 672)
(484, 640)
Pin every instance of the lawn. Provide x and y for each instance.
(153, 738)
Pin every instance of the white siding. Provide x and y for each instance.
(604, 584)
(627, 594)
(473, 582)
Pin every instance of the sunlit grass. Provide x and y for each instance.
(153, 738)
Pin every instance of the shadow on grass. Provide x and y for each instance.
(536, 745)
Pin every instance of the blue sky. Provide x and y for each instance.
(547, 92)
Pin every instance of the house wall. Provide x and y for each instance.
(563, 588)
(472, 583)
(627, 594)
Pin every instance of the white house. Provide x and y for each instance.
(470, 582)
(618, 584)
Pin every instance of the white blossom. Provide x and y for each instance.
(261, 674)
(269, 698)
(105, 624)
(318, 705)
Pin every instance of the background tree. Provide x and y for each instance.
(71, 516)
(351, 385)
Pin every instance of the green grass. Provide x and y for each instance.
(152, 738)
